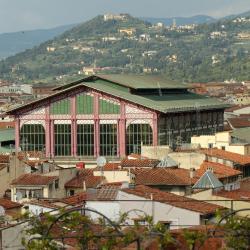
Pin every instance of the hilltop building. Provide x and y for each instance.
(113, 115)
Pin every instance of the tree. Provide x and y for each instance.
(47, 230)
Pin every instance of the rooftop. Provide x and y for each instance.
(208, 180)
(86, 175)
(235, 194)
(75, 199)
(239, 122)
(172, 199)
(220, 170)
(222, 154)
(120, 86)
(33, 180)
(163, 176)
(139, 163)
(8, 204)
(7, 134)
(242, 134)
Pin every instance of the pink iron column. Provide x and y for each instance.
(17, 133)
(96, 125)
(52, 139)
(155, 129)
(47, 132)
(122, 131)
(73, 126)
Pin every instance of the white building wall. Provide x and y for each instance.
(108, 208)
(36, 209)
(159, 211)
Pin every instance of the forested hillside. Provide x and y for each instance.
(208, 52)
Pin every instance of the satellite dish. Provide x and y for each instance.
(101, 161)
(2, 211)
(19, 196)
(27, 170)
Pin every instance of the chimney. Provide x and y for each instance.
(192, 173)
(84, 186)
(210, 169)
(151, 197)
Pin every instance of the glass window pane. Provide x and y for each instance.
(136, 135)
(85, 139)
(108, 139)
(62, 136)
(32, 137)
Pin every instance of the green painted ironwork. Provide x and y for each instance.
(108, 107)
(61, 107)
(84, 104)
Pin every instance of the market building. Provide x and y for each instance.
(113, 115)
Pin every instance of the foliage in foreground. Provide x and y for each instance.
(52, 232)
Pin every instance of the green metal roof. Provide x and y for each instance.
(143, 81)
(164, 103)
(133, 81)
(4, 150)
(7, 134)
(242, 134)
(207, 181)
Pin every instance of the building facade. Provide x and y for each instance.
(113, 115)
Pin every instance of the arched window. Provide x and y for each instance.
(136, 135)
(32, 137)
(85, 139)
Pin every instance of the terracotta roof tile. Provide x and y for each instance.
(235, 194)
(239, 122)
(4, 158)
(222, 154)
(236, 107)
(86, 175)
(29, 154)
(75, 199)
(34, 163)
(162, 176)
(34, 179)
(109, 167)
(139, 163)
(8, 204)
(219, 170)
(136, 156)
(245, 184)
(107, 193)
(173, 199)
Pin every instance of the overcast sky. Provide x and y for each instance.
(17, 15)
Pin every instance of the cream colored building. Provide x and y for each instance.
(129, 31)
(216, 198)
(221, 140)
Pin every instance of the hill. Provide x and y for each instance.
(12, 43)
(123, 44)
(199, 19)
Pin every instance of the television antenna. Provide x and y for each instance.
(27, 170)
(19, 196)
(101, 161)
